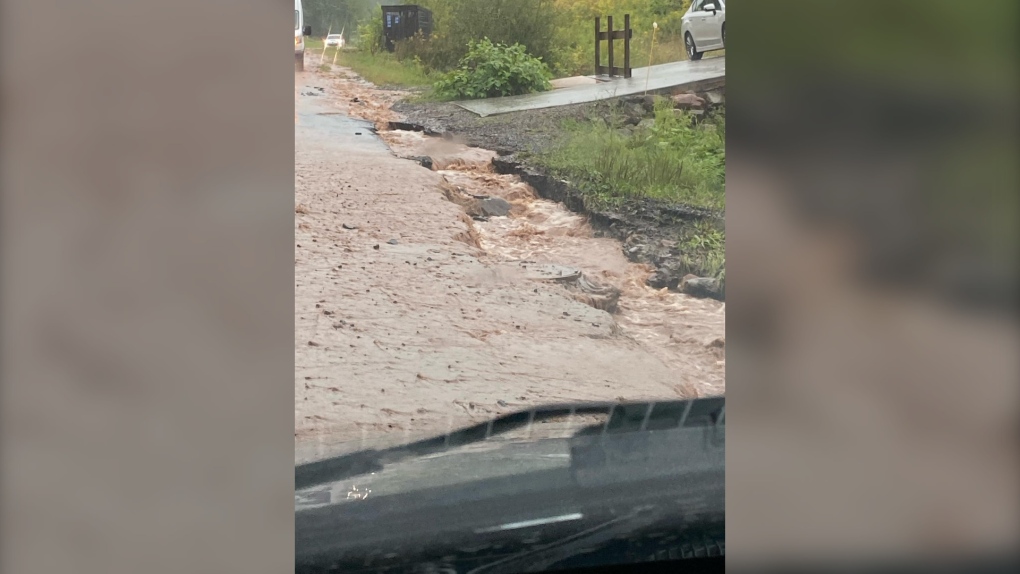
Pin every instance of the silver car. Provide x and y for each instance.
(704, 27)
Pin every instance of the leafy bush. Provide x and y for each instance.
(456, 23)
(559, 32)
(370, 35)
(491, 70)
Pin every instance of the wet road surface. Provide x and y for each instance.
(672, 75)
(411, 318)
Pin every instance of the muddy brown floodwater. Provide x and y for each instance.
(417, 311)
(685, 333)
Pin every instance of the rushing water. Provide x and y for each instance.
(684, 332)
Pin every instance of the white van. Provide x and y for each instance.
(300, 31)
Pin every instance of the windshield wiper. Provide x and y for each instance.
(622, 417)
(541, 558)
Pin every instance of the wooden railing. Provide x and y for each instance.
(609, 35)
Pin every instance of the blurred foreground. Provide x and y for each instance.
(872, 249)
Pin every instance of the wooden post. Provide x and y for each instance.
(651, 48)
(609, 23)
(609, 36)
(626, 45)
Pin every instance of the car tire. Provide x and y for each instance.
(692, 51)
(299, 61)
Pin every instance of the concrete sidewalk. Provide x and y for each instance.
(662, 76)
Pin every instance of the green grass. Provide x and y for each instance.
(702, 247)
(672, 161)
(382, 69)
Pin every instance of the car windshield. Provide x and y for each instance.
(556, 472)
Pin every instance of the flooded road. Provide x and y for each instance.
(412, 316)
(686, 333)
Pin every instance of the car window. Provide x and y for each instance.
(697, 5)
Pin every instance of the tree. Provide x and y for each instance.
(323, 15)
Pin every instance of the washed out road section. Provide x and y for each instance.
(404, 324)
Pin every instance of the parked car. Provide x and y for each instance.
(335, 40)
(704, 27)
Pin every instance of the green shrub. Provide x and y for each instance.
(490, 70)
(456, 23)
(370, 35)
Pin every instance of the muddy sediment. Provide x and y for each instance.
(416, 313)
(548, 234)
(649, 230)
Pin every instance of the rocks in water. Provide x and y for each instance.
(595, 294)
(405, 126)
(422, 160)
(661, 279)
(475, 206)
(709, 287)
(494, 207)
(551, 272)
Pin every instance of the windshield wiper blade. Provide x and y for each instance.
(538, 559)
(622, 417)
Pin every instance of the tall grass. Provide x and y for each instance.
(381, 68)
(672, 160)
